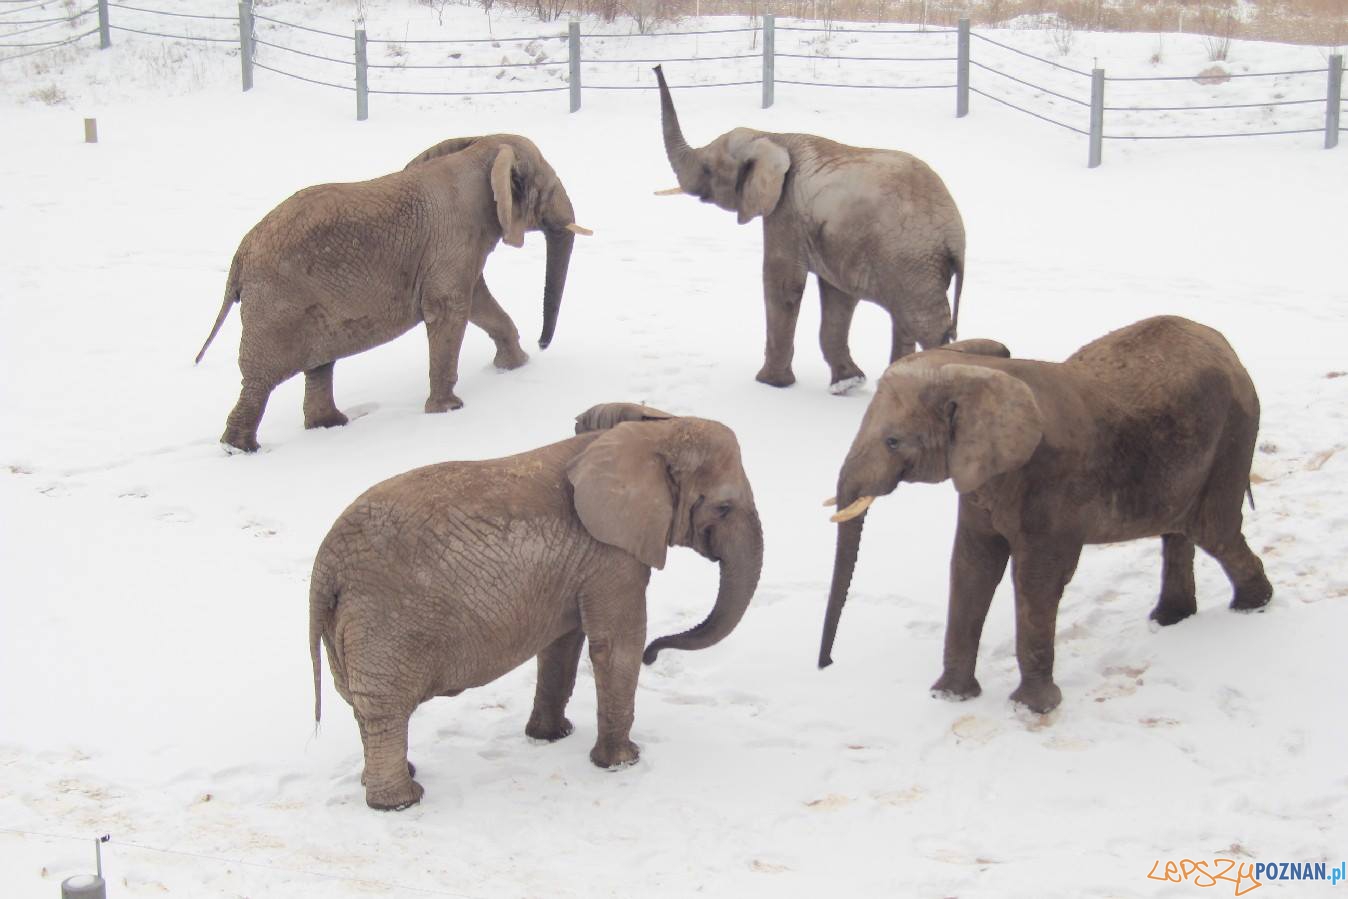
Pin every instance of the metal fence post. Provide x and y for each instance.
(1335, 97)
(573, 49)
(1097, 115)
(246, 43)
(769, 58)
(104, 32)
(962, 72)
(362, 78)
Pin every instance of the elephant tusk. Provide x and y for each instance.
(857, 508)
(577, 229)
(830, 502)
(669, 192)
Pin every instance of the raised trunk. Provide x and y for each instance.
(844, 563)
(682, 158)
(741, 553)
(559, 260)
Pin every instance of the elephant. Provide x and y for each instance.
(1148, 431)
(870, 224)
(339, 268)
(448, 576)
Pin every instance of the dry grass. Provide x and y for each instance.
(1318, 22)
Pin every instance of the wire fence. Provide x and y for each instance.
(1141, 107)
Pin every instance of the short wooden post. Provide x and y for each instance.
(1097, 116)
(769, 59)
(1335, 98)
(104, 31)
(246, 43)
(91, 131)
(362, 78)
(962, 71)
(573, 59)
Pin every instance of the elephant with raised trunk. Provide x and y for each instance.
(339, 268)
(874, 225)
(449, 576)
(1148, 431)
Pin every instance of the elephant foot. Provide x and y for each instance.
(537, 729)
(1252, 596)
(616, 755)
(411, 772)
(239, 441)
(1173, 609)
(443, 404)
(775, 378)
(1041, 696)
(846, 385)
(395, 798)
(956, 687)
(333, 419)
(508, 358)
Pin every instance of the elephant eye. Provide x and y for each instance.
(723, 510)
(892, 442)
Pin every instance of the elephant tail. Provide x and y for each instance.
(957, 264)
(322, 601)
(232, 291)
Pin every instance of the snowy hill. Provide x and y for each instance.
(154, 613)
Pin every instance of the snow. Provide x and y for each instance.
(154, 618)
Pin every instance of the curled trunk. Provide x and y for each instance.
(682, 158)
(844, 563)
(741, 552)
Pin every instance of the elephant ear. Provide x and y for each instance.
(623, 493)
(995, 424)
(512, 229)
(607, 415)
(763, 166)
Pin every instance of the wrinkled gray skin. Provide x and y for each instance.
(876, 225)
(339, 268)
(1148, 431)
(606, 415)
(449, 576)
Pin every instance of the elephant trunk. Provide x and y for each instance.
(682, 158)
(740, 549)
(844, 563)
(560, 243)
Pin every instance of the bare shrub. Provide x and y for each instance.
(1218, 23)
(50, 95)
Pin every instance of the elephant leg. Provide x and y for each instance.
(488, 315)
(1178, 597)
(388, 781)
(241, 426)
(901, 343)
(1040, 574)
(320, 409)
(360, 726)
(617, 633)
(926, 317)
(557, 665)
(445, 326)
(976, 568)
(835, 321)
(1243, 568)
(783, 284)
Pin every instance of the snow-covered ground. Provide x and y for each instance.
(154, 676)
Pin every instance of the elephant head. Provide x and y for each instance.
(742, 171)
(646, 485)
(607, 415)
(933, 417)
(528, 196)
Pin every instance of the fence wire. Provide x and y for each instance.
(467, 40)
(46, 21)
(261, 42)
(1319, 130)
(673, 87)
(1223, 75)
(523, 90)
(866, 58)
(1219, 106)
(345, 37)
(43, 48)
(672, 33)
(182, 15)
(10, 12)
(177, 37)
(70, 21)
(867, 30)
(887, 87)
(1038, 87)
(56, 43)
(1043, 118)
(345, 87)
(485, 65)
(1047, 62)
(682, 59)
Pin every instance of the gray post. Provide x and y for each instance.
(1335, 97)
(104, 33)
(1097, 115)
(573, 49)
(769, 58)
(962, 72)
(91, 131)
(246, 43)
(362, 78)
